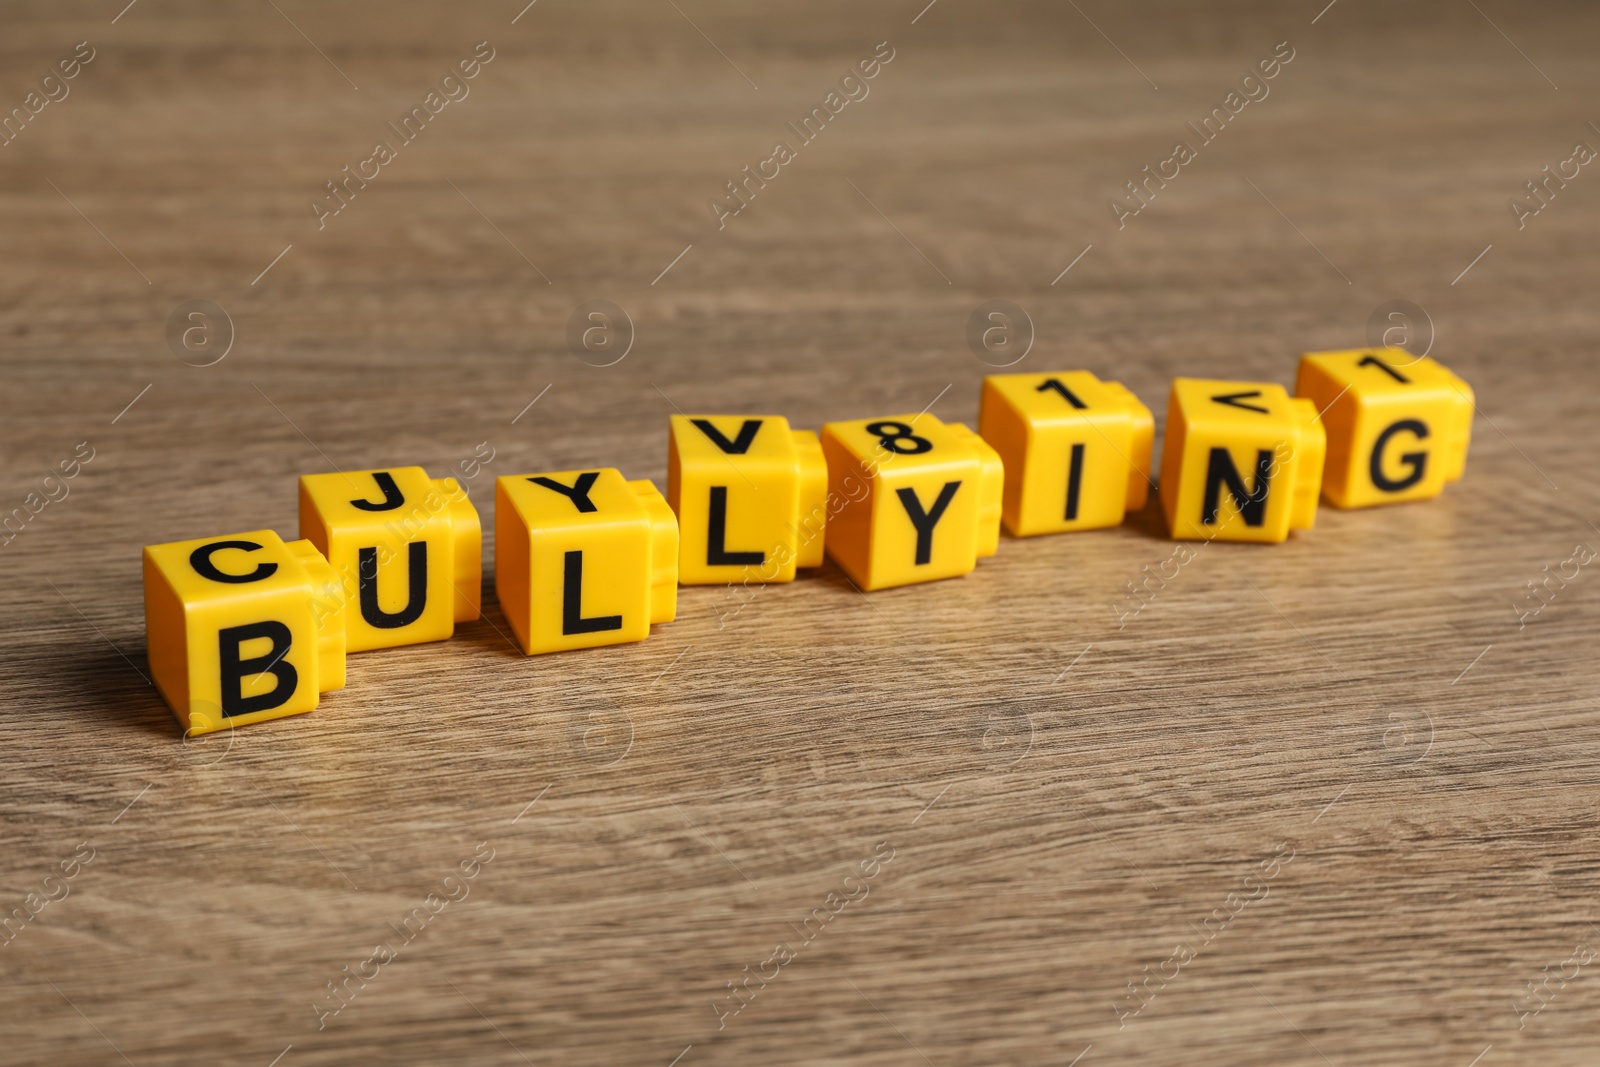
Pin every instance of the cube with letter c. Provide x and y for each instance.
(242, 628)
(583, 558)
(912, 499)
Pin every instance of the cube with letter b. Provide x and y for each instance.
(916, 499)
(1242, 461)
(242, 628)
(1398, 424)
(750, 497)
(583, 558)
(408, 550)
(1076, 449)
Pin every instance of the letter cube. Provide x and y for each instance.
(921, 499)
(407, 548)
(242, 628)
(583, 558)
(1398, 425)
(1076, 449)
(750, 495)
(1242, 462)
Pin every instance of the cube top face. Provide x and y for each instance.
(1052, 398)
(407, 550)
(228, 571)
(232, 625)
(913, 491)
(1256, 410)
(1242, 461)
(1076, 449)
(357, 500)
(735, 443)
(597, 498)
(577, 555)
(734, 481)
(1398, 425)
(901, 446)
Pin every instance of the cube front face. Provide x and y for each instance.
(579, 558)
(749, 495)
(407, 549)
(1242, 461)
(921, 499)
(1398, 425)
(237, 629)
(1076, 449)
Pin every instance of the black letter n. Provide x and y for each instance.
(1252, 505)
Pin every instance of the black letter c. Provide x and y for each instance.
(200, 560)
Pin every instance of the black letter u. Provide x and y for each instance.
(418, 593)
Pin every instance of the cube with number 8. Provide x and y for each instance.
(916, 499)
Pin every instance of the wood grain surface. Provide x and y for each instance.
(1326, 802)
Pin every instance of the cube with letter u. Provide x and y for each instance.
(583, 558)
(408, 550)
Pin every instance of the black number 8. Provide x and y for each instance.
(891, 435)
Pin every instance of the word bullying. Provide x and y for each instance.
(248, 627)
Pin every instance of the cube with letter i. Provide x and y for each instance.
(1242, 461)
(242, 628)
(917, 499)
(1076, 449)
(583, 558)
(1398, 425)
(750, 496)
(408, 550)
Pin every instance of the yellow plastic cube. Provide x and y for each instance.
(408, 550)
(1398, 425)
(920, 499)
(242, 628)
(750, 495)
(1242, 462)
(1076, 449)
(583, 558)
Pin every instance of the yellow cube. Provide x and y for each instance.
(242, 628)
(1398, 425)
(1076, 449)
(408, 549)
(583, 558)
(750, 495)
(1242, 462)
(920, 499)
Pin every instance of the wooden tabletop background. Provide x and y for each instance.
(1326, 802)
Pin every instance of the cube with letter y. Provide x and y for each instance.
(918, 499)
(583, 558)
(1242, 461)
(242, 628)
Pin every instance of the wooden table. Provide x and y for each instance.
(1330, 801)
